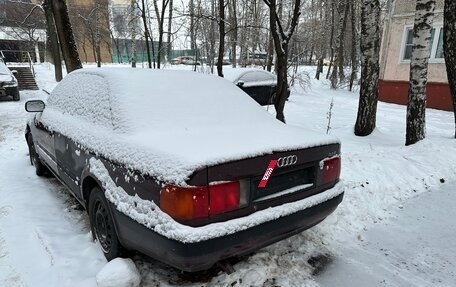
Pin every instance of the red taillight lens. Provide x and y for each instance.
(331, 169)
(184, 203)
(224, 197)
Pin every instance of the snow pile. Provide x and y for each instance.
(167, 123)
(119, 272)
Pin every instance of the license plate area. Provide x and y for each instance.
(282, 181)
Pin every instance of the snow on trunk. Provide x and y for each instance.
(449, 47)
(416, 108)
(370, 54)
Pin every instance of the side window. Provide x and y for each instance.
(85, 96)
(408, 44)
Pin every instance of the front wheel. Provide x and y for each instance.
(40, 169)
(102, 225)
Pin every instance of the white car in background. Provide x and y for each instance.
(8, 83)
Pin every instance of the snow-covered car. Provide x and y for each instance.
(8, 83)
(180, 173)
(259, 84)
(186, 60)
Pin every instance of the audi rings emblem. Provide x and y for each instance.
(287, 161)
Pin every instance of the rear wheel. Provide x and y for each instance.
(40, 169)
(102, 225)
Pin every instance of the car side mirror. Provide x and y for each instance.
(240, 84)
(14, 72)
(34, 106)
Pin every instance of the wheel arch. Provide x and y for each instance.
(28, 132)
(88, 182)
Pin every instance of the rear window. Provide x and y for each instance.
(256, 77)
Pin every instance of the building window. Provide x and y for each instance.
(435, 46)
(439, 49)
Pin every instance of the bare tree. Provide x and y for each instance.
(232, 8)
(338, 70)
(370, 53)
(146, 33)
(23, 21)
(66, 36)
(160, 15)
(133, 27)
(53, 40)
(449, 48)
(221, 49)
(170, 22)
(416, 107)
(354, 47)
(282, 37)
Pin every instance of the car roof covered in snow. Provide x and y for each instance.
(255, 74)
(167, 123)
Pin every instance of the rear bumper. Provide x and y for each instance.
(202, 255)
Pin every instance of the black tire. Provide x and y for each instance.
(102, 225)
(16, 96)
(40, 168)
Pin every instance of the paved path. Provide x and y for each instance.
(417, 247)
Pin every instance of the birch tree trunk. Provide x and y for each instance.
(416, 107)
(370, 54)
(331, 6)
(170, 21)
(132, 24)
(66, 36)
(449, 48)
(338, 70)
(354, 51)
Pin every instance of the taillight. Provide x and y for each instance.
(185, 203)
(331, 169)
(224, 197)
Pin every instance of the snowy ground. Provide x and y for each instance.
(395, 226)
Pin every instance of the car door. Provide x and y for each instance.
(80, 104)
(44, 142)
